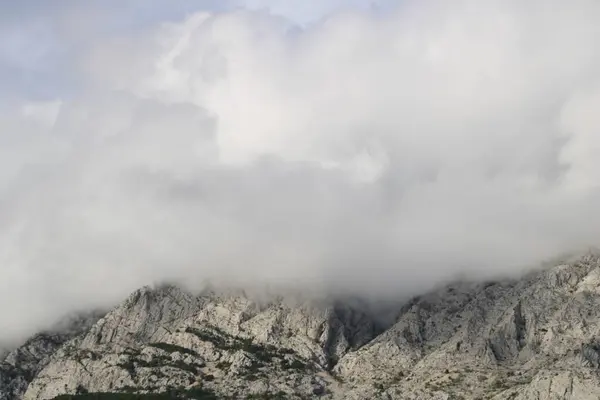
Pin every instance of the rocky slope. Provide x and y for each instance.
(20, 366)
(533, 338)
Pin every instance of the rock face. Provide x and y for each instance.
(533, 338)
(21, 365)
(166, 338)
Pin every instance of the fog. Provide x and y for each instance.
(369, 153)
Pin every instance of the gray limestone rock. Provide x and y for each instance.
(537, 337)
(19, 366)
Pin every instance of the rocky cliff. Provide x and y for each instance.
(533, 338)
(19, 366)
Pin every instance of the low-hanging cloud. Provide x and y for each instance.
(368, 153)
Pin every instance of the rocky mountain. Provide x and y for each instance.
(20, 366)
(537, 337)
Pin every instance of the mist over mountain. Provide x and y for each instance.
(530, 338)
(369, 152)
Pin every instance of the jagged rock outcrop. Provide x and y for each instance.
(21, 365)
(166, 338)
(532, 338)
(528, 338)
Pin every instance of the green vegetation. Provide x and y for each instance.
(268, 396)
(261, 353)
(157, 362)
(215, 338)
(227, 342)
(295, 364)
(80, 354)
(173, 348)
(500, 383)
(194, 393)
(223, 365)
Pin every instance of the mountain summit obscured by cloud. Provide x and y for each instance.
(367, 152)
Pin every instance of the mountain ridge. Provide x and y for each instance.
(533, 337)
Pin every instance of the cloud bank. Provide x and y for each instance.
(367, 153)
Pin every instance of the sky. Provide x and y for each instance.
(374, 148)
(42, 38)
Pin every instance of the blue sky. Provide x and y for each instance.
(40, 38)
(38, 43)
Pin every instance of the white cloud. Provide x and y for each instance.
(311, 11)
(377, 154)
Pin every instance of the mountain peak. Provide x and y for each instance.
(534, 337)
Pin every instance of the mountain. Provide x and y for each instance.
(537, 337)
(20, 366)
